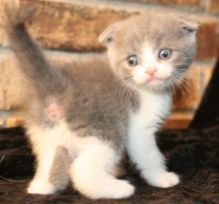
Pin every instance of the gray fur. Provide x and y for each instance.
(59, 171)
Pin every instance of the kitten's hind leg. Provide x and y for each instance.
(53, 163)
(90, 173)
(59, 175)
(41, 183)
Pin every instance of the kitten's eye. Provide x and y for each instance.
(165, 54)
(133, 60)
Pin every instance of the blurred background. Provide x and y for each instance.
(68, 29)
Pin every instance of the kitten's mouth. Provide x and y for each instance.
(154, 79)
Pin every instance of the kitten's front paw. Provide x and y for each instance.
(41, 187)
(165, 180)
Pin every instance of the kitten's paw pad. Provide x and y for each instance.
(166, 180)
(40, 187)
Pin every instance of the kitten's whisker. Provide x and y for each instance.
(180, 86)
(129, 84)
(126, 89)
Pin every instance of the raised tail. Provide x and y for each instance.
(30, 57)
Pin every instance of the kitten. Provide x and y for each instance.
(87, 114)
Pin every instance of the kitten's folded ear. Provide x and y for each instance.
(188, 26)
(107, 36)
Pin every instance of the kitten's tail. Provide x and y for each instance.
(31, 60)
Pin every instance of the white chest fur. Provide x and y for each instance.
(141, 141)
(153, 108)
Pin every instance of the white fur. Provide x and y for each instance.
(93, 162)
(141, 143)
(90, 173)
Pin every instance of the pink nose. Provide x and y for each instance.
(151, 72)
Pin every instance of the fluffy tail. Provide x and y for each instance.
(32, 61)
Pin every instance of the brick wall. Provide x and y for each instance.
(71, 27)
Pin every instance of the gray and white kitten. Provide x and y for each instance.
(89, 113)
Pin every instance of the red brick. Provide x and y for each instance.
(207, 40)
(178, 120)
(213, 6)
(72, 27)
(206, 76)
(170, 2)
(14, 122)
(75, 27)
(218, 41)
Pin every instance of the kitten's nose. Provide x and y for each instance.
(151, 72)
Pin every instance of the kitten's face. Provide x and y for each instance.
(151, 51)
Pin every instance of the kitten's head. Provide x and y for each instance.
(151, 51)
